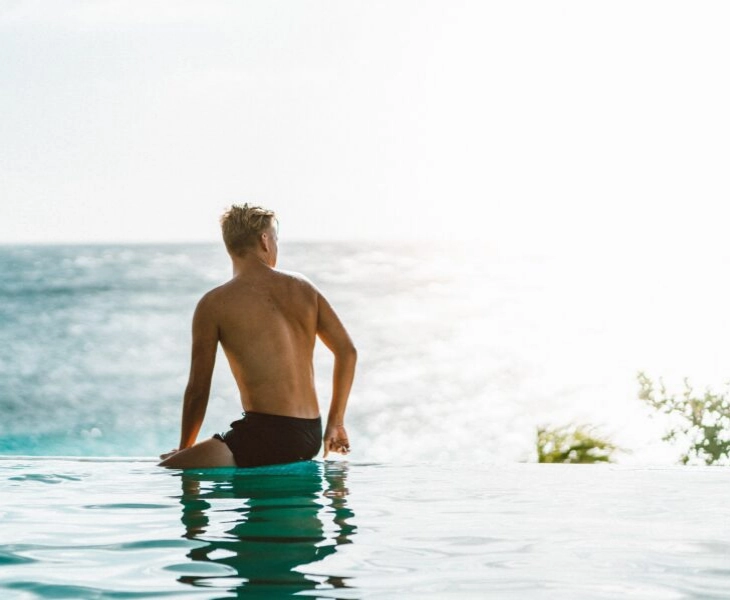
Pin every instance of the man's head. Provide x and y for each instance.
(248, 228)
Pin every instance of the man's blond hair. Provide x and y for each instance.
(242, 225)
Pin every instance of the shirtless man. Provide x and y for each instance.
(266, 321)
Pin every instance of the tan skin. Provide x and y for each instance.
(267, 322)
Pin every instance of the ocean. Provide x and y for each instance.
(463, 353)
(463, 350)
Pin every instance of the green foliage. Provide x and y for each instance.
(701, 421)
(573, 444)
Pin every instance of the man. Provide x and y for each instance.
(267, 322)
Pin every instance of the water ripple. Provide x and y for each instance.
(127, 506)
(42, 478)
(120, 530)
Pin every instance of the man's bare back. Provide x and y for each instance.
(267, 322)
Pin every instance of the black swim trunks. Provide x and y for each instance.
(261, 439)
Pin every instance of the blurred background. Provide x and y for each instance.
(515, 208)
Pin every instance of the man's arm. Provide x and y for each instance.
(202, 361)
(334, 335)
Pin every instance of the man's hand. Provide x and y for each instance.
(168, 454)
(335, 440)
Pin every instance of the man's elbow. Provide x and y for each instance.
(196, 395)
(347, 352)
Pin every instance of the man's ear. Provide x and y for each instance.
(264, 242)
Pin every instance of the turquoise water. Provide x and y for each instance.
(119, 529)
(95, 343)
(461, 357)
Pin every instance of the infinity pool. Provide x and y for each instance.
(120, 529)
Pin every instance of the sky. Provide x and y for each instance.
(575, 126)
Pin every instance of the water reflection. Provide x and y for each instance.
(258, 527)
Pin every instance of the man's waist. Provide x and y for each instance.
(258, 415)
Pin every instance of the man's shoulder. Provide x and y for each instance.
(211, 297)
(297, 279)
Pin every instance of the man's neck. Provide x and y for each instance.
(249, 263)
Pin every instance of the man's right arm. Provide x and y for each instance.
(202, 361)
(334, 335)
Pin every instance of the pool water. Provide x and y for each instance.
(128, 529)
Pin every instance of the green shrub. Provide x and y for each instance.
(573, 444)
(700, 422)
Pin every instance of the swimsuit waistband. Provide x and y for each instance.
(259, 416)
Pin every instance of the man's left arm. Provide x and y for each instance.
(202, 361)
